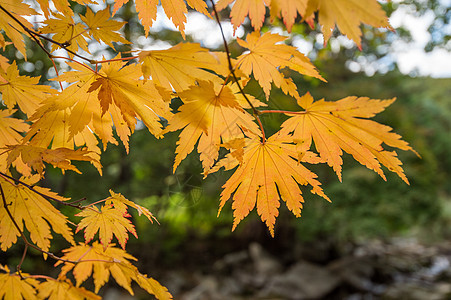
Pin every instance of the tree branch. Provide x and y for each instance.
(255, 112)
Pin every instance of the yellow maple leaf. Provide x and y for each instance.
(254, 8)
(101, 28)
(209, 114)
(11, 28)
(35, 157)
(10, 134)
(341, 126)
(267, 57)
(107, 221)
(174, 9)
(53, 289)
(13, 287)
(179, 66)
(65, 30)
(268, 169)
(51, 129)
(94, 260)
(10, 128)
(289, 10)
(135, 98)
(35, 212)
(121, 203)
(81, 109)
(24, 91)
(153, 287)
(348, 15)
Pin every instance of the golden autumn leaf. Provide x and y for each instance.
(11, 28)
(179, 66)
(153, 287)
(13, 287)
(210, 114)
(63, 6)
(95, 261)
(289, 10)
(33, 211)
(10, 128)
(53, 289)
(269, 172)
(341, 126)
(121, 203)
(348, 15)
(254, 8)
(101, 28)
(107, 221)
(175, 10)
(76, 109)
(34, 157)
(65, 30)
(135, 98)
(4, 64)
(100, 263)
(267, 57)
(50, 128)
(24, 91)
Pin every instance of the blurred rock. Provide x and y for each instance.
(206, 290)
(302, 281)
(264, 263)
(356, 272)
(418, 291)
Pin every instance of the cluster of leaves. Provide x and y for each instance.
(82, 110)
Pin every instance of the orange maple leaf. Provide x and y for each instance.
(209, 114)
(343, 125)
(35, 212)
(107, 221)
(269, 172)
(348, 15)
(267, 57)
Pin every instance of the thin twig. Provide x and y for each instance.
(275, 111)
(31, 188)
(34, 36)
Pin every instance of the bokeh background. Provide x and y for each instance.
(375, 240)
